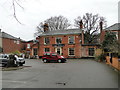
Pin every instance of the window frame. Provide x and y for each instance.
(56, 40)
(46, 51)
(45, 40)
(69, 51)
(69, 39)
(89, 51)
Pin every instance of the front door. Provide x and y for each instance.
(58, 50)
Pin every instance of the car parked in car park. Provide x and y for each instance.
(51, 56)
(5, 58)
(19, 61)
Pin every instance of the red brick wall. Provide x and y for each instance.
(85, 51)
(115, 63)
(102, 35)
(76, 46)
(10, 46)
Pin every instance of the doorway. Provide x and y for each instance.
(58, 50)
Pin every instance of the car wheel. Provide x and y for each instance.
(59, 60)
(45, 60)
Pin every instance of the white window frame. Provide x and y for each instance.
(45, 42)
(47, 51)
(59, 38)
(69, 52)
(18, 42)
(28, 46)
(69, 40)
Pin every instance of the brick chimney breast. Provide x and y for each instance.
(81, 24)
(46, 27)
(101, 26)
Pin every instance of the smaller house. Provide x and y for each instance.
(113, 28)
(9, 43)
(113, 60)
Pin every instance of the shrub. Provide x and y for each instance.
(101, 57)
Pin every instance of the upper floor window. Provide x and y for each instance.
(18, 42)
(58, 40)
(28, 45)
(46, 40)
(71, 40)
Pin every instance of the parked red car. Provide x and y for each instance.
(50, 56)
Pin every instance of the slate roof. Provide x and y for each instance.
(6, 35)
(61, 32)
(114, 27)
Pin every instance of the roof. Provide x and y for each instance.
(6, 35)
(114, 27)
(62, 32)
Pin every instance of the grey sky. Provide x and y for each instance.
(36, 11)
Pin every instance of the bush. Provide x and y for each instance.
(101, 57)
(16, 52)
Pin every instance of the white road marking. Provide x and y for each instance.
(13, 81)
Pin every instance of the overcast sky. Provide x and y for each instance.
(36, 11)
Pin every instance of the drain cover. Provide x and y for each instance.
(61, 83)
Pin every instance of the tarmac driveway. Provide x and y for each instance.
(76, 73)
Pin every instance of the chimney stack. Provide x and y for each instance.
(81, 27)
(81, 24)
(45, 27)
(101, 26)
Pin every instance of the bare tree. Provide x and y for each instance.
(91, 26)
(14, 4)
(54, 23)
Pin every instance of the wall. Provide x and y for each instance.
(10, 45)
(115, 63)
(85, 51)
(64, 48)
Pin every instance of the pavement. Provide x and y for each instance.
(76, 73)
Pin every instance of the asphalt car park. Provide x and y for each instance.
(75, 73)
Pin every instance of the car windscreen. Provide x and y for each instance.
(54, 54)
(46, 53)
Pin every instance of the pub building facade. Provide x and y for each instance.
(69, 43)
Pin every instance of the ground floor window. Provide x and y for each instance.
(35, 51)
(46, 49)
(91, 51)
(71, 52)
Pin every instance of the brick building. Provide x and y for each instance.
(9, 43)
(113, 28)
(69, 43)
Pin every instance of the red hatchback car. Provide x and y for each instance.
(49, 56)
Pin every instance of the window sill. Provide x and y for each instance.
(71, 55)
(71, 43)
(46, 44)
